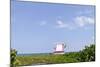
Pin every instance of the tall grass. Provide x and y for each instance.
(46, 59)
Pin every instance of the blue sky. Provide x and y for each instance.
(36, 27)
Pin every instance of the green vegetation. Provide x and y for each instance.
(14, 62)
(85, 55)
(46, 59)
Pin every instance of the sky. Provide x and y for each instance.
(37, 27)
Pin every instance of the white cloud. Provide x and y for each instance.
(43, 23)
(83, 20)
(61, 24)
(76, 22)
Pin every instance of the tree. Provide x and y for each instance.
(14, 61)
(87, 54)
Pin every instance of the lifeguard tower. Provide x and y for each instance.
(59, 49)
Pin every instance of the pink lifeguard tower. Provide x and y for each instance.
(59, 49)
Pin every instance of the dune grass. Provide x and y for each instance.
(45, 59)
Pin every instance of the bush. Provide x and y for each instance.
(14, 61)
(88, 54)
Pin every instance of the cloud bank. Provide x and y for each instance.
(76, 22)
